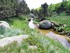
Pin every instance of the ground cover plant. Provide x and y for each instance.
(61, 20)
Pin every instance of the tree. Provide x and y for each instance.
(68, 8)
(62, 7)
(9, 8)
(44, 9)
(23, 8)
(35, 12)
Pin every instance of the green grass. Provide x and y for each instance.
(61, 19)
(43, 43)
(10, 32)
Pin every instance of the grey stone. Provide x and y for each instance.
(45, 24)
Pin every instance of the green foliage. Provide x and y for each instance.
(7, 8)
(54, 9)
(11, 48)
(44, 9)
(10, 8)
(60, 8)
(68, 8)
(63, 14)
(22, 8)
(41, 12)
(61, 20)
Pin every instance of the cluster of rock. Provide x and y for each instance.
(46, 24)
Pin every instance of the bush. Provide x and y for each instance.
(63, 14)
(68, 12)
(12, 8)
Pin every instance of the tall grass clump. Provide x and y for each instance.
(10, 32)
(61, 20)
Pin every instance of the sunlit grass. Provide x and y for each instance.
(63, 20)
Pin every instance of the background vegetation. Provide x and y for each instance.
(62, 8)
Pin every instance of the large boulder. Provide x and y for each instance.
(32, 15)
(62, 39)
(45, 24)
(3, 27)
(4, 24)
(8, 40)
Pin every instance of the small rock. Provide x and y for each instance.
(68, 34)
(32, 47)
